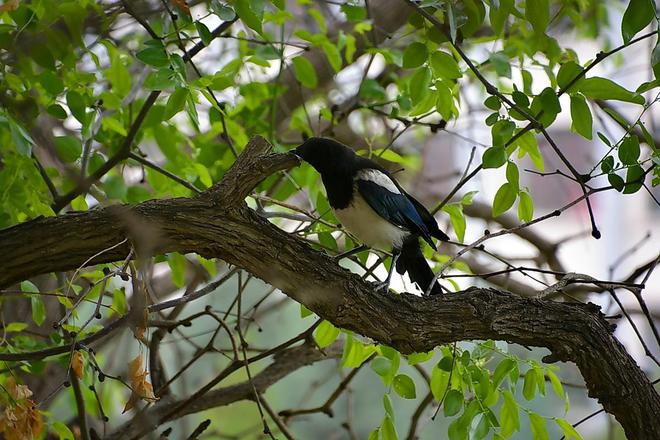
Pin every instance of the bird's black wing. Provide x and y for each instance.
(428, 220)
(390, 202)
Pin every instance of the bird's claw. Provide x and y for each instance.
(382, 286)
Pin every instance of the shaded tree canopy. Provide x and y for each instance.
(165, 258)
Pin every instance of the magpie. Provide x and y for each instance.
(371, 204)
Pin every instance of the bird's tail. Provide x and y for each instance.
(412, 260)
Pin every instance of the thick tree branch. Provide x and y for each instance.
(222, 226)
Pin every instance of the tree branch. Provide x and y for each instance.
(227, 229)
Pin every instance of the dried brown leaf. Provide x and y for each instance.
(20, 419)
(78, 364)
(183, 5)
(10, 5)
(140, 386)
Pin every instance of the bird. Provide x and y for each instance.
(373, 207)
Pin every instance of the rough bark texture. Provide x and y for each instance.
(219, 224)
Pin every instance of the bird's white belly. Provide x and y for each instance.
(368, 227)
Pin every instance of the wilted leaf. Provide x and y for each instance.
(20, 419)
(78, 364)
(142, 389)
(10, 5)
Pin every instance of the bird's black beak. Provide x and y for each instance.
(296, 152)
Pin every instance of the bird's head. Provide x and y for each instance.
(326, 155)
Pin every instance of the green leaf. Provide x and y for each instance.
(415, 55)
(483, 427)
(453, 403)
(655, 64)
(513, 175)
(525, 207)
(325, 334)
(355, 352)
(439, 382)
(502, 64)
(371, 89)
(15, 327)
(62, 431)
(629, 150)
(38, 307)
(638, 15)
(333, 56)
(607, 165)
(538, 424)
(419, 85)
(246, 14)
(547, 102)
(387, 430)
(569, 431)
(556, 384)
(616, 181)
(304, 311)
(117, 73)
(444, 66)
(499, 15)
(304, 72)
(119, 302)
(509, 415)
(504, 199)
(381, 365)
(22, 140)
(603, 88)
(493, 103)
(204, 175)
(77, 106)
(634, 179)
(57, 111)
(353, 12)
(529, 386)
(418, 358)
(387, 404)
(581, 116)
(537, 12)
(175, 103)
(177, 263)
(528, 145)
(445, 102)
(154, 56)
(567, 73)
(494, 157)
(204, 32)
(68, 148)
(374, 435)
(502, 370)
(51, 82)
(404, 386)
(455, 211)
(224, 12)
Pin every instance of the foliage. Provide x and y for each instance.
(93, 115)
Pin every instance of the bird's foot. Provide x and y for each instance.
(382, 286)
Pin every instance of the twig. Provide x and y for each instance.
(164, 172)
(80, 404)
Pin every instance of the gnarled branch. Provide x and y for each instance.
(222, 226)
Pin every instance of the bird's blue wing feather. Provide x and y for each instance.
(396, 208)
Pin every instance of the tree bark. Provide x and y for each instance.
(219, 224)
